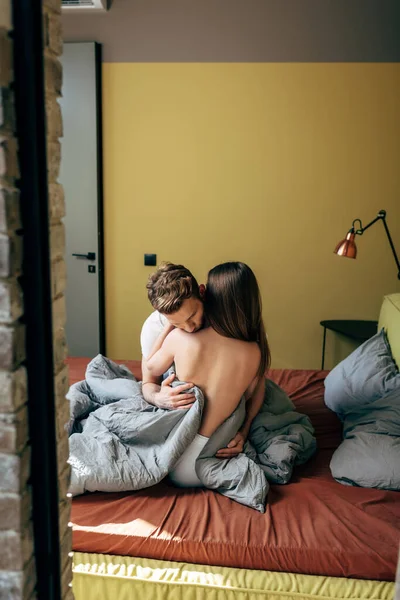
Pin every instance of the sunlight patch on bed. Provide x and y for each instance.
(137, 527)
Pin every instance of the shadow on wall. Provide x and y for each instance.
(337, 348)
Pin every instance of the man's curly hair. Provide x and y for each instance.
(169, 286)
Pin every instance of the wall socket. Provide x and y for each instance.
(150, 260)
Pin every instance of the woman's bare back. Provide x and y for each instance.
(223, 368)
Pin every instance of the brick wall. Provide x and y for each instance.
(52, 35)
(17, 563)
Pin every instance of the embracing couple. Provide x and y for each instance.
(215, 336)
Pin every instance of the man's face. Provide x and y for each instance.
(189, 317)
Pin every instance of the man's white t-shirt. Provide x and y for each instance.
(152, 327)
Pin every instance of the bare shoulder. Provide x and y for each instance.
(251, 354)
(177, 336)
(183, 343)
(254, 350)
(249, 347)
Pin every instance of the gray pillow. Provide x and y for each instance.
(369, 456)
(369, 373)
(364, 390)
(368, 460)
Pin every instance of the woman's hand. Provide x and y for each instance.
(234, 447)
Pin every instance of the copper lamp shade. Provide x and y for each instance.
(347, 247)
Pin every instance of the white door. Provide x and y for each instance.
(81, 175)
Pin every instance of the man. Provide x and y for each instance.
(177, 300)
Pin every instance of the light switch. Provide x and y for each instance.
(150, 260)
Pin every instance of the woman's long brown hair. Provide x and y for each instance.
(233, 307)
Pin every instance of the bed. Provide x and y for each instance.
(317, 538)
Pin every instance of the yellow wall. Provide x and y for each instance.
(263, 163)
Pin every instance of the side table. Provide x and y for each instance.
(356, 330)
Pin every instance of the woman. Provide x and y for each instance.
(230, 353)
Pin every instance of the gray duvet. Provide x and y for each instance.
(119, 442)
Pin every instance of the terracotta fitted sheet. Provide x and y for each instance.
(313, 525)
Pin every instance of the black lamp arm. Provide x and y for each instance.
(396, 258)
(380, 217)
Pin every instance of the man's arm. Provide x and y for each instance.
(254, 401)
(162, 394)
(162, 354)
(165, 396)
(160, 340)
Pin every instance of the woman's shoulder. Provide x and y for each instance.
(249, 352)
(240, 345)
(178, 335)
(182, 341)
(175, 334)
(252, 347)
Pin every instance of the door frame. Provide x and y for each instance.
(33, 185)
(100, 195)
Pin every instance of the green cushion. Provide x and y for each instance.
(389, 318)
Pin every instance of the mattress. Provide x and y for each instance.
(312, 526)
(123, 578)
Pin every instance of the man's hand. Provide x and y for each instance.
(234, 447)
(172, 397)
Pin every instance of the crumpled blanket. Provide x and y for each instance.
(119, 442)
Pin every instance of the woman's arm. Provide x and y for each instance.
(162, 354)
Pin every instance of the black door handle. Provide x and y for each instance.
(88, 256)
